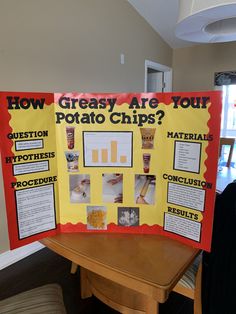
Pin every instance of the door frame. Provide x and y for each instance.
(167, 71)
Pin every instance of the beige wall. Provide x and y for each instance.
(194, 67)
(74, 45)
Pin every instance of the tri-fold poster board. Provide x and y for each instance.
(123, 163)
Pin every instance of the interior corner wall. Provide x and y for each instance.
(194, 67)
(74, 45)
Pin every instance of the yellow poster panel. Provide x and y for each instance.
(138, 163)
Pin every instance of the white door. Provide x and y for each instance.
(155, 81)
(158, 77)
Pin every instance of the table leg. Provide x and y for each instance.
(84, 284)
(73, 268)
(152, 306)
(230, 155)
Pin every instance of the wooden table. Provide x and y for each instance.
(225, 176)
(131, 273)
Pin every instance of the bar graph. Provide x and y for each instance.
(95, 155)
(104, 156)
(123, 159)
(108, 149)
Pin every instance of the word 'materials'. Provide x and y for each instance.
(190, 136)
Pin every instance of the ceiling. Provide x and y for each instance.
(162, 15)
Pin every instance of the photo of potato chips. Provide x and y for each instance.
(96, 218)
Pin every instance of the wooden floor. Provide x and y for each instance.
(47, 267)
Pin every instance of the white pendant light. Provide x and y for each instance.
(206, 21)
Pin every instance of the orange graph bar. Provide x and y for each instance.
(104, 155)
(113, 151)
(123, 159)
(94, 155)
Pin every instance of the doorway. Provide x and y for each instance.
(228, 120)
(158, 77)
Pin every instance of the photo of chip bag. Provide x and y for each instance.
(147, 135)
(72, 159)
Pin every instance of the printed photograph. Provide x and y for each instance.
(112, 187)
(146, 162)
(79, 188)
(96, 218)
(72, 159)
(128, 216)
(148, 135)
(70, 136)
(108, 149)
(145, 186)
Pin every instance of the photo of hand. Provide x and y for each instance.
(80, 188)
(145, 189)
(112, 185)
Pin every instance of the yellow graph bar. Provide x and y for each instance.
(94, 155)
(113, 151)
(104, 155)
(123, 159)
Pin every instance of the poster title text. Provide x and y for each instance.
(95, 106)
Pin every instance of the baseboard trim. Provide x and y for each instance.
(10, 257)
